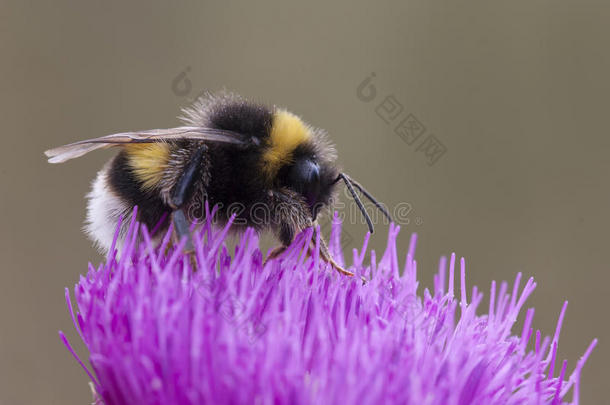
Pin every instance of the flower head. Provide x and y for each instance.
(295, 332)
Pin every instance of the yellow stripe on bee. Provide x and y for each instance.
(287, 132)
(148, 162)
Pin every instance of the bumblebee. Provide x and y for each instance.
(263, 164)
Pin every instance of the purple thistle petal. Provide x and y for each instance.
(296, 332)
(66, 343)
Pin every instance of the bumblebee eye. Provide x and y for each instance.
(304, 178)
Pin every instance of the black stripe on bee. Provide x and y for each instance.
(242, 117)
(124, 183)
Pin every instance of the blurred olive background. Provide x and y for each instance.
(515, 92)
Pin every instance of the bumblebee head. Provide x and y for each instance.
(299, 157)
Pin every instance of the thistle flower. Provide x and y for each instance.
(295, 332)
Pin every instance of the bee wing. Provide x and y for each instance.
(78, 149)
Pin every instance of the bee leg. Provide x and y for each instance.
(183, 188)
(293, 216)
(326, 256)
(276, 252)
(182, 229)
(325, 253)
(180, 195)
